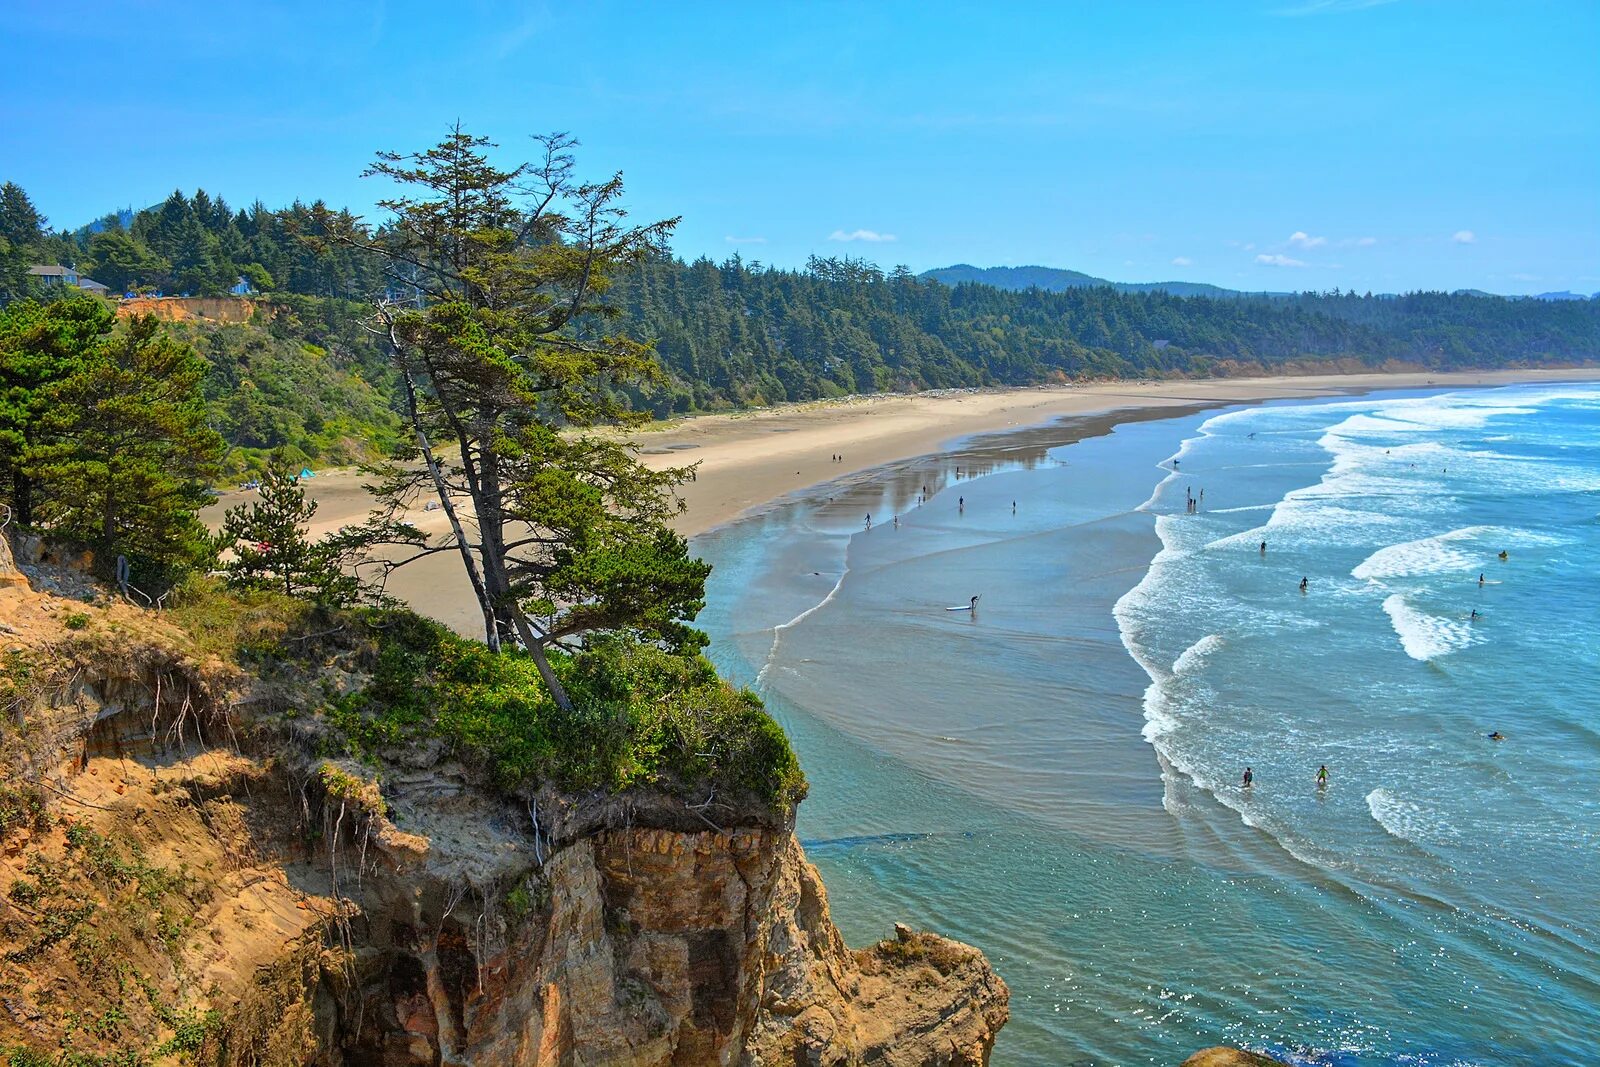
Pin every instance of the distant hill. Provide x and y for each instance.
(1058, 280)
(1565, 294)
(123, 216)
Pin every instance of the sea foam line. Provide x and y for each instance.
(777, 631)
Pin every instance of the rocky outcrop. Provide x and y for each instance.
(1222, 1056)
(259, 904)
(635, 944)
(915, 999)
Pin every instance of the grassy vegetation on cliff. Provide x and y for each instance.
(641, 716)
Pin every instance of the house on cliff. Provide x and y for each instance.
(57, 275)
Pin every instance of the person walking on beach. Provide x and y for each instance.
(1249, 777)
(869, 520)
(1322, 776)
(961, 504)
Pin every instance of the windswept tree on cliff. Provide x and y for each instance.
(497, 321)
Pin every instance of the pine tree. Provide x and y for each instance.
(128, 454)
(266, 546)
(561, 534)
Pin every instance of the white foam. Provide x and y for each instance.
(777, 631)
(1196, 654)
(1425, 555)
(1408, 820)
(1443, 554)
(1425, 637)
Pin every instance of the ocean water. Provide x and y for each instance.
(1055, 777)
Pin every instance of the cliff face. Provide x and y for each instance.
(187, 879)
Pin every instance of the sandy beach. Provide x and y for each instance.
(751, 459)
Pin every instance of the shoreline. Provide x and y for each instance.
(750, 461)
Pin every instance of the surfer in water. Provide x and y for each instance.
(1504, 555)
(1249, 777)
(973, 604)
(1474, 616)
(1322, 776)
(1263, 548)
(1480, 580)
(1305, 583)
(1497, 736)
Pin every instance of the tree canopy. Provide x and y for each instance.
(106, 434)
(503, 346)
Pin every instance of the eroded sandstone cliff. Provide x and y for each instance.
(189, 877)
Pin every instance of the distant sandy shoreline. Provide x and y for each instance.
(748, 460)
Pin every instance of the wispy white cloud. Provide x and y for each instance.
(510, 42)
(1182, 261)
(1328, 7)
(732, 240)
(1301, 239)
(1277, 259)
(1465, 237)
(872, 236)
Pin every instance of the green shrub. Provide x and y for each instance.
(76, 621)
(22, 807)
(642, 716)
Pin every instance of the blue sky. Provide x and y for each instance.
(1273, 144)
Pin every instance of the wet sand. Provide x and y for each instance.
(751, 459)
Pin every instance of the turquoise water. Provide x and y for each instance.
(1055, 777)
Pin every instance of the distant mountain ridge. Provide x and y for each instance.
(1059, 280)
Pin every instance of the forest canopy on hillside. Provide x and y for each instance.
(736, 334)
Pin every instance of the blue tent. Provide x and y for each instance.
(305, 472)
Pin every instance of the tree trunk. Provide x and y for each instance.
(542, 662)
(491, 631)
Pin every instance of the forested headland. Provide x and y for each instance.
(737, 333)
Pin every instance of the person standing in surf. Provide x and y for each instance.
(1322, 776)
(1249, 777)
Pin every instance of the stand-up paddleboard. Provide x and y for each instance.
(962, 607)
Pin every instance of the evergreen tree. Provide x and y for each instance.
(267, 547)
(20, 222)
(41, 346)
(560, 536)
(128, 454)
